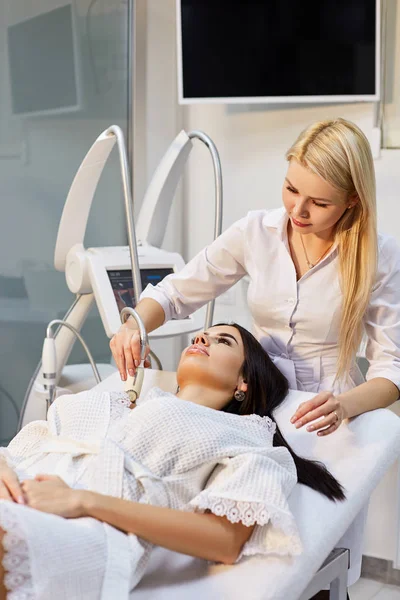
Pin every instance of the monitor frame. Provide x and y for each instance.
(282, 99)
(77, 70)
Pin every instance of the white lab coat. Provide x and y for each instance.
(297, 322)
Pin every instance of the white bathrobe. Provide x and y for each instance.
(167, 452)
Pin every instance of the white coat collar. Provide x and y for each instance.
(277, 219)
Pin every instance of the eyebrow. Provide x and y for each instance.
(311, 197)
(227, 335)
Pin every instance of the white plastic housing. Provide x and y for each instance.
(77, 270)
(49, 362)
(103, 260)
(154, 212)
(74, 218)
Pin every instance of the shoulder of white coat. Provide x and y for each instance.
(388, 247)
(388, 259)
(388, 253)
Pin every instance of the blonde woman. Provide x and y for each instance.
(320, 277)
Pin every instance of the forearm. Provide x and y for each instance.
(201, 535)
(151, 313)
(376, 393)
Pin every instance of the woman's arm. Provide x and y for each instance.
(151, 313)
(205, 277)
(375, 393)
(204, 536)
(331, 410)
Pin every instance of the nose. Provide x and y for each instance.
(300, 208)
(201, 338)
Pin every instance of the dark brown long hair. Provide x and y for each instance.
(267, 388)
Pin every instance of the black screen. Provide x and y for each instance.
(122, 283)
(233, 48)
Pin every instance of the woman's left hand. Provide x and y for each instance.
(51, 494)
(326, 407)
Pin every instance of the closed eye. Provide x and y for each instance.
(223, 341)
(294, 191)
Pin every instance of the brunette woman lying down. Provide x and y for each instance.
(204, 472)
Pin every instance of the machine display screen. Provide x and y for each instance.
(122, 283)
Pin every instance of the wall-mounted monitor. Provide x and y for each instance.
(275, 51)
(44, 64)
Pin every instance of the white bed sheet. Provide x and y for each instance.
(358, 454)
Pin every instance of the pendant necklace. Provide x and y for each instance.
(309, 263)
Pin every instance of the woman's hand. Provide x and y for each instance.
(10, 488)
(326, 407)
(125, 348)
(51, 494)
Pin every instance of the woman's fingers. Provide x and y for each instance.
(330, 429)
(4, 493)
(325, 407)
(13, 485)
(312, 409)
(10, 488)
(125, 348)
(327, 421)
(323, 411)
(130, 350)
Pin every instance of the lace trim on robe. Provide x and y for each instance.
(16, 563)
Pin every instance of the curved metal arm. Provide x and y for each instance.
(200, 135)
(133, 384)
(137, 282)
(130, 312)
(49, 334)
(153, 214)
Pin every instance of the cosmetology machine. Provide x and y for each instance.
(113, 277)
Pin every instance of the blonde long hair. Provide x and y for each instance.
(338, 151)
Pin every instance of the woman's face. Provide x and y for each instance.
(313, 204)
(213, 360)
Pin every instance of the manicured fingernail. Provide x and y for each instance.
(298, 424)
(293, 419)
(131, 372)
(21, 500)
(310, 428)
(136, 363)
(123, 376)
(320, 433)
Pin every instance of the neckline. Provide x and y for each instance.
(253, 416)
(285, 239)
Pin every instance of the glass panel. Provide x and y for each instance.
(63, 80)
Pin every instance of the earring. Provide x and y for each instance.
(239, 396)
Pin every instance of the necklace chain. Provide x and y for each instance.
(310, 264)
